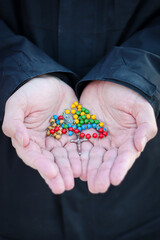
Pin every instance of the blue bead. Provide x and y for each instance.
(70, 133)
(83, 127)
(69, 125)
(94, 125)
(55, 117)
(58, 122)
(62, 125)
(74, 126)
(104, 129)
(80, 129)
(98, 127)
(89, 126)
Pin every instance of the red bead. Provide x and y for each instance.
(88, 136)
(76, 130)
(51, 131)
(82, 135)
(105, 133)
(101, 130)
(60, 118)
(56, 129)
(70, 129)
(64, 130)
(94, 135)
(101, 135)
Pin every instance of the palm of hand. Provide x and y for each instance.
(131, 123)
(57, 161)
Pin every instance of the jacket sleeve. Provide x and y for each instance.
(21, 60)
(135, 64)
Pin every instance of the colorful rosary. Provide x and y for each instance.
(74, 121)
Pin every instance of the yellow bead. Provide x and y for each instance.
(76, 121)
(93, 117)
(76, 104)
(82, 113)
(75, 116)
(67, 111)
(73, 106)
(88, 116)
(79, 106)
(101, 124)
(73, 111)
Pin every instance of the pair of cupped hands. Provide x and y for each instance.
(128, 117)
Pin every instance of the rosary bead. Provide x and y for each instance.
(83, 109)
(101, 135)
(76, 121)
(91, 121)
(87, 111)
(78, 125)
(105, 129)
(89, 126)
(83, 116)
(93, 116)
(73, 106)
(82, 113)
(82, 135)
(80, 129)
(86, 121)
(76, 130)
(60, 117)
(48, 132)
(73, 111)
(81, 122)
(56, 129)
(67, 111)
(74, 126)
(79, 106)
(59, 132)
(51, 131)
(61, 121)
(101, 124)
(76, 103)
(65, 126)
(78, 112)
(55, 117)
(75, 116)
(100, 130)
(64, 130)
(83, 127)
(94, 125)
(94, 135)
(88, 136)
(96, 121)
(88, 116)
(60, 128)
(49, 127)
(105, 133)
(58, 122)
(54, 125)
(55, 134)
(70, 129)
(52, 120)
(58, 136)
(69, 125)
(70, 133)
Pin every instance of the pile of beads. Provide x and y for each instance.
(74, 121)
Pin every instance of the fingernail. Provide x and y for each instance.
(144, 141)
(19, 138)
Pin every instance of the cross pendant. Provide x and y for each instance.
(78, 141)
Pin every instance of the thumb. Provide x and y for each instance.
(146, 128)
(13, 123)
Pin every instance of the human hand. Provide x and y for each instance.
(131, 124)
(27, 115)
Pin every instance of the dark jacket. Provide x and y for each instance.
(80, 41)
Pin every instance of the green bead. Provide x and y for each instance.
(78, 125)
(80, 117)
(86, 120)
(91, 121)
(96, 121)
(83, 116)
(65, 126)
(83, 109)
(78, 112)
(81, 122)
(87, 111)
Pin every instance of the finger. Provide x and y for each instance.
(95, 160)
(146, 128)
(126, 156)
(13, 125)
(86, 148)
(74, 159)
(65, 169)
(102, 179)
(56, 184)
(32, 156)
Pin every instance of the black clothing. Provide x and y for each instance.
(80, 41)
